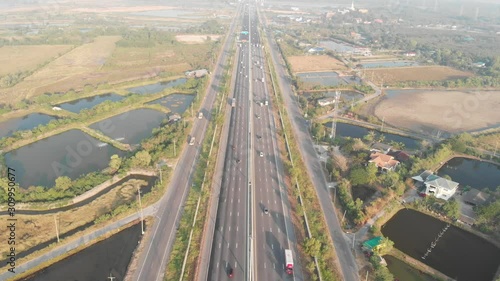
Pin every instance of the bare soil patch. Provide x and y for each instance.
(417, 73)
(450, 111)
(315, 63)
(196, 39)
(22, 58)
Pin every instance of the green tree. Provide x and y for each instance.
(383, 274)
(358, 176)
(141, 159)
(115, 163)
(312, 246)
(63, 183)
(371, 172)
(451, 208)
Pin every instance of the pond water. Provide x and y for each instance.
(72, 153)
(474, 173)
(177, 103)
(78, 105)
(97, 262)
(28, 122)
(458, 254)
(131, 127)
(404, 272)
(156, 87)
(377, 64)
(327, 78)
(353, 131)
(345, 96)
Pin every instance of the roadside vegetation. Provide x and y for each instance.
(187, 246)
(317, 245)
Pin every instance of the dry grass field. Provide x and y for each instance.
(73, 70)
(196, 39)
(22, 58)
(36, 229)
(450, 111)
(417, 73)
(101, 61)
(315, 63)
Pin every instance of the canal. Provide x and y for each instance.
(353, 131)
(109, 257)
(459, 254)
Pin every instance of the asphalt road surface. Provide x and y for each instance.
(153, 259)
(252, 177)
(229, 249)
(345, 257)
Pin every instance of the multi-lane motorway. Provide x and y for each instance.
(152, 260)
(248, 241)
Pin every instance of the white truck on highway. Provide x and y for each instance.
(288, 261)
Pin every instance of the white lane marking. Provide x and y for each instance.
(230, 213)
(279, 230)
(236, 245)
(229, 229)
(274, 265)
(265, 265)
(217, 264)
(275, 202)
(237, 228)
(238, 200)
(272, 246)
(220, 245)
(238, 214)
(271, 229)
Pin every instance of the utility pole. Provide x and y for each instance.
(175, 153)
(343, 217)
(366, 278)
(57, 229)
(161, 178)
(353, 239)
(336, 107)
(140, 206)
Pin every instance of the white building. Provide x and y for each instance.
(436, 185)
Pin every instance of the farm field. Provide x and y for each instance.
(448, 111)
(102, 61)
(315, 63)
(418, 73)
(27, 57)
(72, 70)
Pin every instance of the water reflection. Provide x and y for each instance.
(458, 254)
(28, 122)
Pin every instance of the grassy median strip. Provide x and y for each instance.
(318, 244)
(186, 250)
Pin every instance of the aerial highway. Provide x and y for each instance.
(152, 260)
(229, 249)
(345, 258)
(253, 226)
(273, 228)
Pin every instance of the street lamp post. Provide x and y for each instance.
(140, 206)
